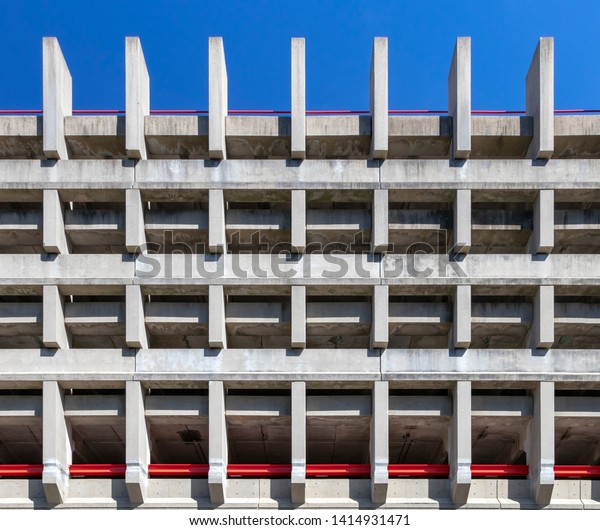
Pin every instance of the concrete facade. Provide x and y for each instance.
(230, 311)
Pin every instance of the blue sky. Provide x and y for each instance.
(339, 37)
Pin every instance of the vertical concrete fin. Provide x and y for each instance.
(217, 98)
(217, 237)
(56, 444)
(217, 442)
(299, 220)
(379, 442)
(461, 231)
(459, 98)
(541, 464)
(461, 327)
(542, 237)
(54, 331)
(135, 231)
(380, 317)
(298, 143)
(298, 316)
(539, 99)
(135, 324)
(54, 236)
(379, 98)
(57, 99)
(217, 330)
(459, 443)
(542, 331)
(298, 442)
(137, 98)
(137, 443)
(380, 213)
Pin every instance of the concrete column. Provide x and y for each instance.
(459, 98)
(135, 325)
(542, 330)
(217, 237)
(135, 232)
(137, 443)
(299, 220)
(461, 327)
(542, 237)
(541, 461)
(54, 237)
(298, 316)
(298, 442)
(539, 99)
(461, 232)
(380, 317)
(459, 443)
(56, 444)
(379, 442)
(298, 143)
(137, 98)
(54, 331)
(379, 230)
(217, 442)
(58, 99)
(217, 98)
(217, 331)
(379, 98)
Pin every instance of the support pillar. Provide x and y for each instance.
(461, 231)
(298, 141)
(298, 316)
(459, 98)
(217, 330)
(54, 331)
(542, 330)
(541, 464)
(298, 220)
(137, 443)
(542, 237)
(58, 99)
(380, 317)
(217, 236)
(539, 99)
(56, 444)
(461, 327)
(217, 98)
(217, 442)
(459, 443)
(135, 231)
(298, 442)
(379, 98)
(137, 98)
(380, 212)
(54, 236)
(379, 442)
(135, 324)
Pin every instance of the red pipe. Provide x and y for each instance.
(580, 472)
(97, 470)
(21, 470)
(338, 470)
(499, 471)
(259, 470)
(419, 470)
(178, 470)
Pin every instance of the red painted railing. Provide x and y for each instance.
(338, 470)
(97, 470)
(499, 471)
(580, 472)
(259, 470)
(419, 470)
(178, 470)
(21, 470)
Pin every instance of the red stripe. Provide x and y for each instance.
(338, 470)
(21, 470)
(498, 471)
(178, 470)
(419, 470)
(97, 470)
(259, 470)
(577, 472)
